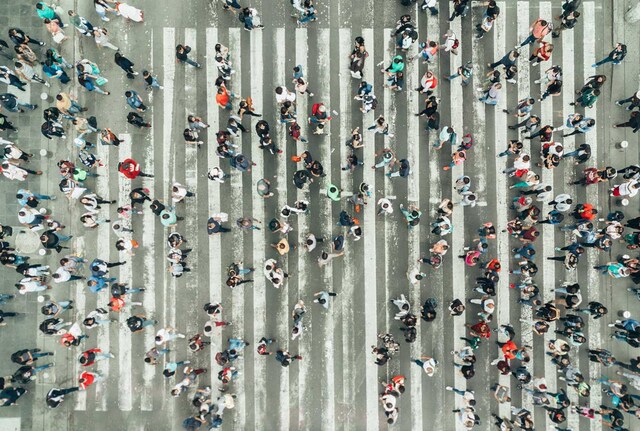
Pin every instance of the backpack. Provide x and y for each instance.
(314, 108)
(456, 44)
(242, 17)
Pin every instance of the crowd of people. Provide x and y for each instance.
(534, 204)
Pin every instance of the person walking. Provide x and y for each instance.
(182, 56)
(616, 56)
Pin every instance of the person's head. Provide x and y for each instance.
(128, 93)
(83, 360)
(279, 90)
(71, 13)
(596, 92)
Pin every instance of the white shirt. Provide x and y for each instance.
(561, 202)
(429, 366)
(385, 205)
(520, 164)
(13, 172)
(178, 192)
(216, 174)
(285, 96)
(63, 274)
(30, 215)
(162, 333)
(626, 188)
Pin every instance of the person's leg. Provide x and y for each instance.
(148, 322)
(27, 106)
(103, 355)
(603, 61)
(193, 63)
(39, 368)
(419, 362)
(529, 40)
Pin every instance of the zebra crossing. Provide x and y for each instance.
(336, 385)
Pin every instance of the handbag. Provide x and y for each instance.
(101, 80)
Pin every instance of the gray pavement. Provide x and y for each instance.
(336, 384)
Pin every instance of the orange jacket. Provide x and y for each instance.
(222, 99)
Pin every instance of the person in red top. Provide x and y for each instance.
(480, 329)
(541, 53)
(509, 349)
(262, 346)
(87, 378)
(223, 97)
(90, 357)
(585, 212)
(68, 339)
(131, 169)
(117, 304)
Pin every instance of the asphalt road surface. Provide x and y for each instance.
(336, 385)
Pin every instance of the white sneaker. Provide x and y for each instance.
(449, 388)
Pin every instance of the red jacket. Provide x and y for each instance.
(482, 329)
(88, 377)
(586, 212)
(90, 356)
(129, 168)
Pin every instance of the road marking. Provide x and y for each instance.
(524, 90)
(595, 285)
(370, 291)
(103, 237)
(568, 96)
(237, 307)
(502, 238)
(436, 276)
(149, 274)
(299, 391)
(215, 261)
(259, 288)
(324, 84)
(413, 191)
(125, 392)
(345, 399)
(457, 220)
(279, 60)
(168, 286)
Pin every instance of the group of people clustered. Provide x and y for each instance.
(67, 114)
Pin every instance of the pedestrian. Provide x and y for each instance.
(538, 30)
(322, 298)
(616, 56)
(182, 56)
(125, 64)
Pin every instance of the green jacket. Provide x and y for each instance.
(46, 11)
(396, 67)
